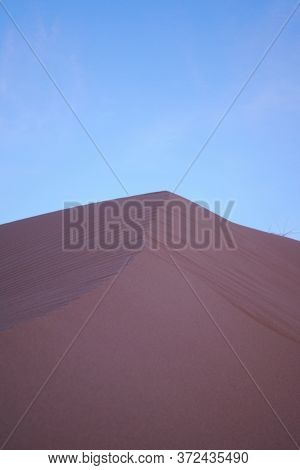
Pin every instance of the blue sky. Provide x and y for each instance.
(150, 80)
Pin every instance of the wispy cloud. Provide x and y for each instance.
(31, 103)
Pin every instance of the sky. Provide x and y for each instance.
(149, 80)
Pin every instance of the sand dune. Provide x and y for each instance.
(178, 349)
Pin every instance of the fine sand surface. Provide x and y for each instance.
(187, 349)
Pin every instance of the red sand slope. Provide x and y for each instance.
(186, 350)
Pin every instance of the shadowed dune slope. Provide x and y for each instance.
(37, 275)
(149, 349)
